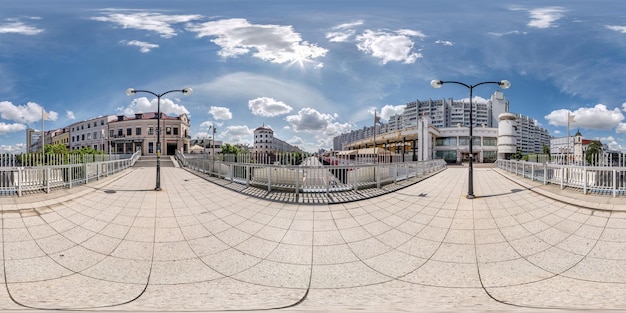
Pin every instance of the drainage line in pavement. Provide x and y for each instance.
(505, 302)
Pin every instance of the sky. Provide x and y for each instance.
(310, 70)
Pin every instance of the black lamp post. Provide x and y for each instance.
(504, 84)
(130, 92)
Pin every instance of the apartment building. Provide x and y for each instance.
(90, 133)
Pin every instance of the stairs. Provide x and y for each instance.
(150, 161)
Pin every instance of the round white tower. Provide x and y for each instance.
(507, 142)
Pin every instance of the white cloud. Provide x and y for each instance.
(11, 128)
(621, 29)
(70, 115)
(342, 32)
(238, 134)
(444, 42)
(598, 117)
(220, 113)
(272, 43)
(475, 100)
(312, 121)
(144, 47)
(545, 17)
(13, 149)
(621, 128)
(388, 110)
(390, 46)
(29, 113)
(206, 124)
(268, 107)
(142, 105)
(624, 106)
(15, 26)
(513, 32)
(155, 22)
(557, 132)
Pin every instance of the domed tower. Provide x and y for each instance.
(507, 140)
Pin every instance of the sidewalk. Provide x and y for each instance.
(118, 245)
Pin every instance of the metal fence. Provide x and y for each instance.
(25, 179)
(312, 175)
(604, 180)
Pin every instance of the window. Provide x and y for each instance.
(150, 130)
(175, 131)
(101, 122)
(95, 123)
(490, 141)
(88, 125)
(88, 135)
(95, 135)
(111, 133)
(151, 147)
(138, 131)
(119, 132)
(129, 131)
(168, 130)
(82, 137)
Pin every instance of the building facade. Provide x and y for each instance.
(90, 133)
(265, 142)
(128, 134)
(451, 119)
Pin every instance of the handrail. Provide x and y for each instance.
(19, 179)
(603, 180)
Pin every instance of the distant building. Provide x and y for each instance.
(265, 142)
(128, 134)
(208, 146)
(90, 133)
(451, 119)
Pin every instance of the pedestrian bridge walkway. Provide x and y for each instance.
(118, 245)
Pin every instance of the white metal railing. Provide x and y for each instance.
(588, 179)
(17, 180)
(311, 176)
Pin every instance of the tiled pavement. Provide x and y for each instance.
(117, 245)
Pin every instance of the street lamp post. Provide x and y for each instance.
(504, 84)
(130, 92)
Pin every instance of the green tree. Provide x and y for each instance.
(594, 149)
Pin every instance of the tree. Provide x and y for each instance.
(594, 150)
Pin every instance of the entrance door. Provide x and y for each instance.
(171, 148)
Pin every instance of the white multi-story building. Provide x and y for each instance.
(448, 115)
(265, 142)
(91, 133)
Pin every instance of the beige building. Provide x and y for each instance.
(62, 136)
(139, 132)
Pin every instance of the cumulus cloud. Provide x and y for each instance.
(238, 134)
(621, 128)
(16, 26)
(155, 22)
(272, 43)
(29, 113)
(312, 121)
(387, 46)
(268, 107)
(144, 47)
(598, 117)
(545, 17)
(389, 110)
(142, 105)
(70, 115)
(11, 128)
(220, 113)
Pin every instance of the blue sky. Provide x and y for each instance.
(308, 69)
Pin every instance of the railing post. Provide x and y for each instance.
(614, 183)
(545, 173)
(269, 179)
(47, 178)
(584, 180)
(562, 176)
(19, 181)
(86, 174)
(248, 174)
(297, 182)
